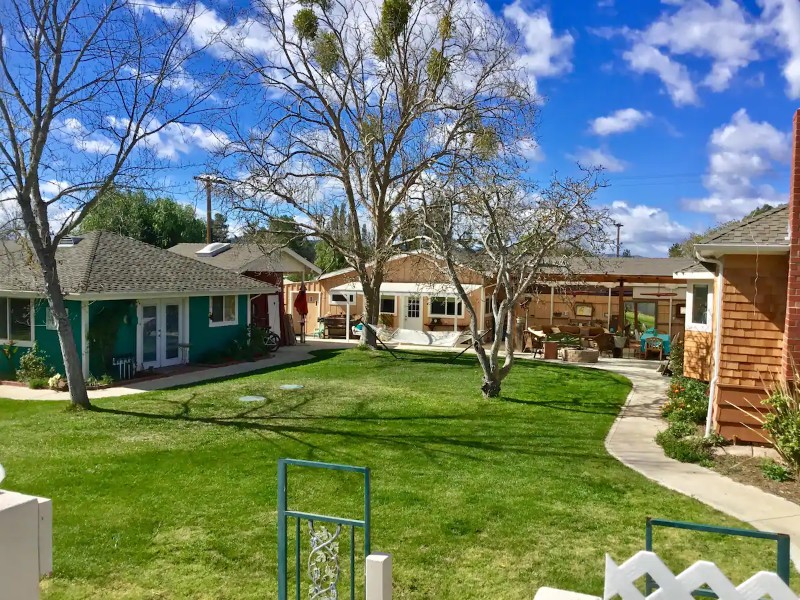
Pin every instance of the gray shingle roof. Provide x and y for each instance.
(629, 267)
(769, 228)
(242, 257)
(698, 267)
(108, 263)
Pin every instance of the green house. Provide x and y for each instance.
(133, 307)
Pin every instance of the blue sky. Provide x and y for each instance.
(687, 103)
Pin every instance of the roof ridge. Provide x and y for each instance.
(87, 276)
(743, 223)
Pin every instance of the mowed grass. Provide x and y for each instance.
(172, 494)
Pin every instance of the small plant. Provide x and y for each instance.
(775, 471)
(57, 382)
(94, 383)
(37, 383)
(33, 365)
(681, 442)
(676, 359)
(682, 429)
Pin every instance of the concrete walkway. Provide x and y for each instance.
(631, 440)
(284, 356)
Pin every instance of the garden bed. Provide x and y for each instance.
(747, 470)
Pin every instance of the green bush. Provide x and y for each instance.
(775, 471)
(37, 383)
(783, 423)
(688, 400)
(682, 429)
(689, 449)
(676, 359)
(33, 365)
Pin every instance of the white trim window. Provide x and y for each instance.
(342, 298)
(388, 305)
(16, 321)
(699, 300)
(446, 307)
(223, 311)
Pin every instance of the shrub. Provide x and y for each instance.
(682, 429)
(33, 365)
(688, 400)
(775, 471)
(676, 359)
(689, 449)
(783, 423)
(37, 383)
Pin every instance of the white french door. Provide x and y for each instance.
(160, 333)
(412, 313)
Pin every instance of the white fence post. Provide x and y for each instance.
(378, 575)
(26, 544)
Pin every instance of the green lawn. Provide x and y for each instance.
(173, 494)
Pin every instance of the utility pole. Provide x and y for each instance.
(617, 225)
(208, 180)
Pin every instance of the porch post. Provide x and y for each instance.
(608, 314)
(455, 314)
(347, 323)
(249, 311)
(552, 301)
(670, 318)
(621, 317)
(85, 338)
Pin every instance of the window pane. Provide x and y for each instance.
(438, 306)
(3, 318)
(149, 333)
(387, 305)
(230, 308)
(700, 305)
(216, 309)
(20, 314)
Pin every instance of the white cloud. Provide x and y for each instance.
(722, 32)
(646, 230)
(783, 17)
(546, 53)
(626, 119)
(741, 153)
(530, 149)
(643, 58)
(598, 157)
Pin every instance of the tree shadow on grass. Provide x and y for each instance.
(573, 405)
(431, 444)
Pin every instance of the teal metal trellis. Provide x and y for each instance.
(324, 544)
(783, 568)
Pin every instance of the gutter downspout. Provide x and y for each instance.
(712, 386)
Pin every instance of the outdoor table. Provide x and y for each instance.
(664, 337)
(550, 350)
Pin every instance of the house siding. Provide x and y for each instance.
(203, 338)
(753, 318)
(125, 342)
(697, 355)
(47, 339)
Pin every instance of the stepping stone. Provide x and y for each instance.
(291, 386)
(252, 398)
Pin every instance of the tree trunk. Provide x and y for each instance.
(490, 387)
(372, 303)
(66, 339)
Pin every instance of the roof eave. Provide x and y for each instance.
(271, 289)
(716, 250)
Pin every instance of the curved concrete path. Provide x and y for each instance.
(631, 440)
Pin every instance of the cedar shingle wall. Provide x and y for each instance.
(753, 315)
(697, 355)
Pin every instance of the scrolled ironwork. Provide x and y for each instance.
(323, 562)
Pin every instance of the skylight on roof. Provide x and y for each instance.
(68, 241)
(213, 249)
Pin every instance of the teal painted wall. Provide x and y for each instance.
(126, 333)
(47, 339)
(204, 339)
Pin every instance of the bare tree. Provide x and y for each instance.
(87, 89)
(359, 101)
(516, 234)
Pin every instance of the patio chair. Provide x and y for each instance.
(604, 342)
(319, 332)
(654, 345)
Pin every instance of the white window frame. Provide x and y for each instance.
(690, 293)
(387, 297)
(457, 301)
(235, 310)
(351, 298)
(20, 343)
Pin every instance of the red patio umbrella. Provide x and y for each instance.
(301, 306)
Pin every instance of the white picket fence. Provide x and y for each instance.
(620, 582)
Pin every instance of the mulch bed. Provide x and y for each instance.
(747, 469)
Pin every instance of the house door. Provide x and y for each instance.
(412, 313)
(274, 313)
(160, 333)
